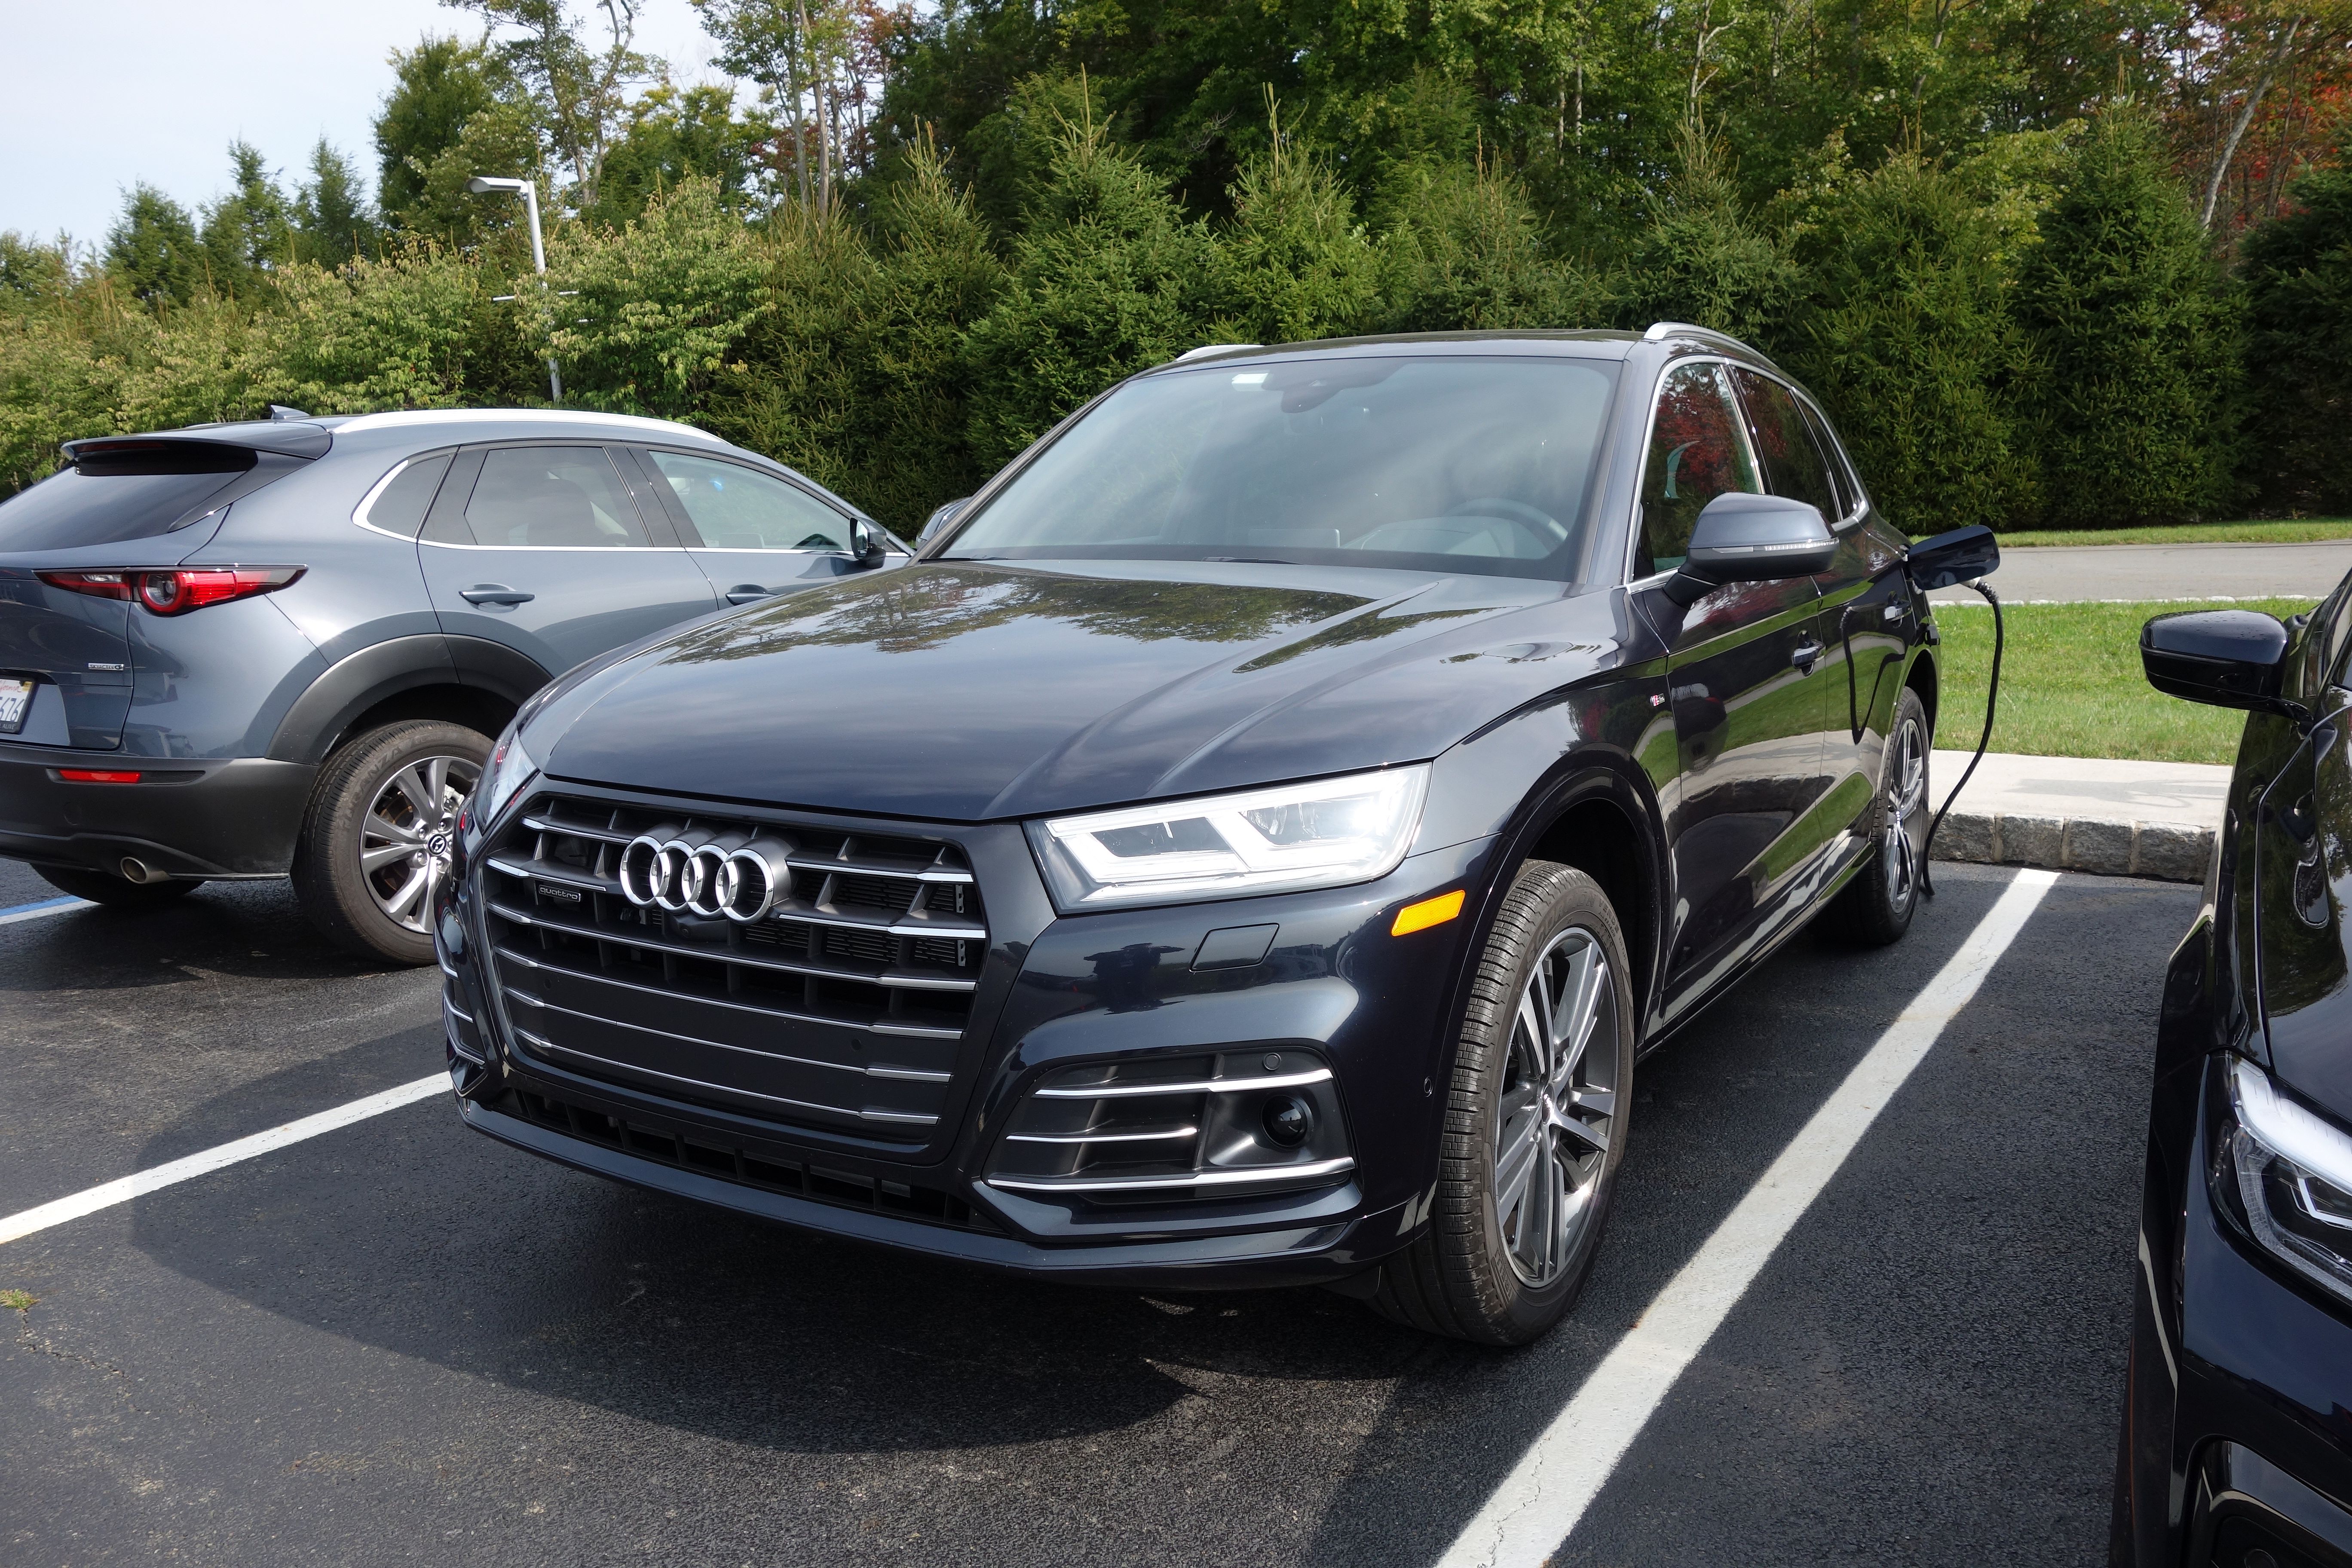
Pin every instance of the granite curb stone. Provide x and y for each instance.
(2166, 851)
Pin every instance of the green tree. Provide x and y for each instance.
(250, 230)
(1107, 278)
(2298, 276)
(579, 92)
(1909, 338)
(1295, 264)
(675, 134)
(151, 251)
(1703, 259)
(330, 213)
(437, 88)
(2135, 339)
(659, 305)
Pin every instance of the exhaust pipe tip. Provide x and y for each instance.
(137, 870)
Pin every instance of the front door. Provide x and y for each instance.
(539, 546)
(1748, 709)
(753, 534)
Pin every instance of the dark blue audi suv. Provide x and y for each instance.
(255, 649)
(1253, 842)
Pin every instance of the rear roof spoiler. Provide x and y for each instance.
(204, 445)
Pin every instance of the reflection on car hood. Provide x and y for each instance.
(969, 690)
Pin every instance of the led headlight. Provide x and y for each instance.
(509, 768)
(1324, 834)
(2294, 1172)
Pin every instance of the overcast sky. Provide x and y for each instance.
(96, 95)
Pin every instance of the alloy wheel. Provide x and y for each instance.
(1906, 813)
(1558, 1102)
(397, 858)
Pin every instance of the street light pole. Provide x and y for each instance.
(483, 184)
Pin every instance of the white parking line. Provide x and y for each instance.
(47, 907)
(1540, 1501)
(106, 1194)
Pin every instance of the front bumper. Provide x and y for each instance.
(2239, 1421)
(1333, 987)
(188, 817)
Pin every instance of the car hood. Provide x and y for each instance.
(972, 690)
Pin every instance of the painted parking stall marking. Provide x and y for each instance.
(63, 905)
(1538, 1504)
(106, 1194)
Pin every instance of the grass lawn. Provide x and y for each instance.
(2295, 532)
(2071, 684)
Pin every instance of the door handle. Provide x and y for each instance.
(1807, 653)
(493, 594)
(745, 593)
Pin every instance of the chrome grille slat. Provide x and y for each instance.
(855, 867)
(1126, 1090)
(1241, 1176)
(916, 1031)
(541, 1043)
(730, 955)
(872, 936)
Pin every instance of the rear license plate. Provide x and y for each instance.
(16, 700)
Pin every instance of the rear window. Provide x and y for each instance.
(71, 508)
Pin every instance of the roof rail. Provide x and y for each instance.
(1661, 330)
(1212, 349)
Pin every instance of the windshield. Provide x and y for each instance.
(1475, 464)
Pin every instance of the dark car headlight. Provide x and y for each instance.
(1324, 833)
(509, 768)
(2293, 1170)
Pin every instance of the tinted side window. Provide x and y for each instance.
(70, 507)
(400, 505)
(1696, 454)
(736, 508)
(553, 498)
(1792, 464)
(1849, 488)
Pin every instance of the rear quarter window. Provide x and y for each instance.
(70, 507)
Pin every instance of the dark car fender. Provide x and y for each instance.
(365, 680)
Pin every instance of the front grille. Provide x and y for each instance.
(729, 1161)
(842, 1007)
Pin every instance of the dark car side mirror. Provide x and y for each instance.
(1743, 538)
(2230, 658)
(1962, 555)
(865, 547)
(939, 519)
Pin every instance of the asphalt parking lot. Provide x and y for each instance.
(399, 1342)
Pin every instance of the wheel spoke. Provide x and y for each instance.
(1592, 975)
(384, 827)
(436, 783)
(375, 859)
(1533, 1024)
(1594, 1138)
(1515, 1162)
(398, 905)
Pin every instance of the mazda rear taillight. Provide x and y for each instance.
(176, 590)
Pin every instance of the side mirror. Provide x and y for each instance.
(865, 547)
(941, 519)
(1742, 538)
(1963, 555)
(2230, 658)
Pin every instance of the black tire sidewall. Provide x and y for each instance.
(1865, 915)
(1545, 900)
(326, 873)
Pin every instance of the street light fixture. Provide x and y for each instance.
(485, 184)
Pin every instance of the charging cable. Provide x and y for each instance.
(1993, 693)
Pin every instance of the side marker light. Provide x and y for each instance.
(1429, 913)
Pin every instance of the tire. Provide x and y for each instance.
(1876, 906)
(360, 867)
(117, 892)
(1487, 1268)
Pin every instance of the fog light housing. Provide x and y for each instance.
(1288, 1121)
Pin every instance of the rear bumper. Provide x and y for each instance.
(188, 817)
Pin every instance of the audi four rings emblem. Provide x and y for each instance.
(730, 875)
